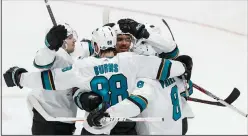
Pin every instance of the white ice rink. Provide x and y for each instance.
(220, 57)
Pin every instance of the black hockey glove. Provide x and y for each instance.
(97, 114)
(12, 76)
(188, 62)
(138, 30)
(87, 101)
(55, 37)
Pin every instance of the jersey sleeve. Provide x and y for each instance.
(44, 58)
(166, 48)
(156, 68)
(47, 59)
(135, 103)
(56, 79)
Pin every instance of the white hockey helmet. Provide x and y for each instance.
(143, 48)
(70, 31)
(103, 38)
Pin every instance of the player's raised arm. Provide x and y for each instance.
(166, 48)
(60, 42)
(57, 79)
(157, 68)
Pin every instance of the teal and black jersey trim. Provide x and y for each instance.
(190, 89)
(44, 66)
(170, 55)
(138, 100)
(47, 80)
(164, 70)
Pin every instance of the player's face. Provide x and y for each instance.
(70, 43)
(123, 43)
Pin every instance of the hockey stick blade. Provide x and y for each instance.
(230, 99)
(233, 96)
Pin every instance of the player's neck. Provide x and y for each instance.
(108, 54)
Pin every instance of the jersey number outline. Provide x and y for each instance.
(175, 102)
(108, 88)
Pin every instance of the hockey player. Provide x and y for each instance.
(155, 45)
(162, 47)
(60, 103)
(100, 75)
(127, 40)
(160, 99)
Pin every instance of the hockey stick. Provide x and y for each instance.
(50, 12)
(47, 117)
(184, 80)
(231, 98)
(169, 29)
(109, 119)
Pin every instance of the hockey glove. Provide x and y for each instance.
(138, 30)
(55, 37)
(95, 116)
(87, 101)
(12, 76)
(188, 62)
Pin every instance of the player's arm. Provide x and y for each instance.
(57, 79)
(129, 107)
(166, 48)
(136, 103)
(48, 59)
(157, 68)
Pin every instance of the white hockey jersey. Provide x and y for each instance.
(60, 103)
(166, 103)
(57, 103)
(153, 98)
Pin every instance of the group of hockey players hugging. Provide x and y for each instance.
(128, 70)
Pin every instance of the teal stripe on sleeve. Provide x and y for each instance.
(138, 101)
(166, 70)
(48, 66)
(46, 81)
